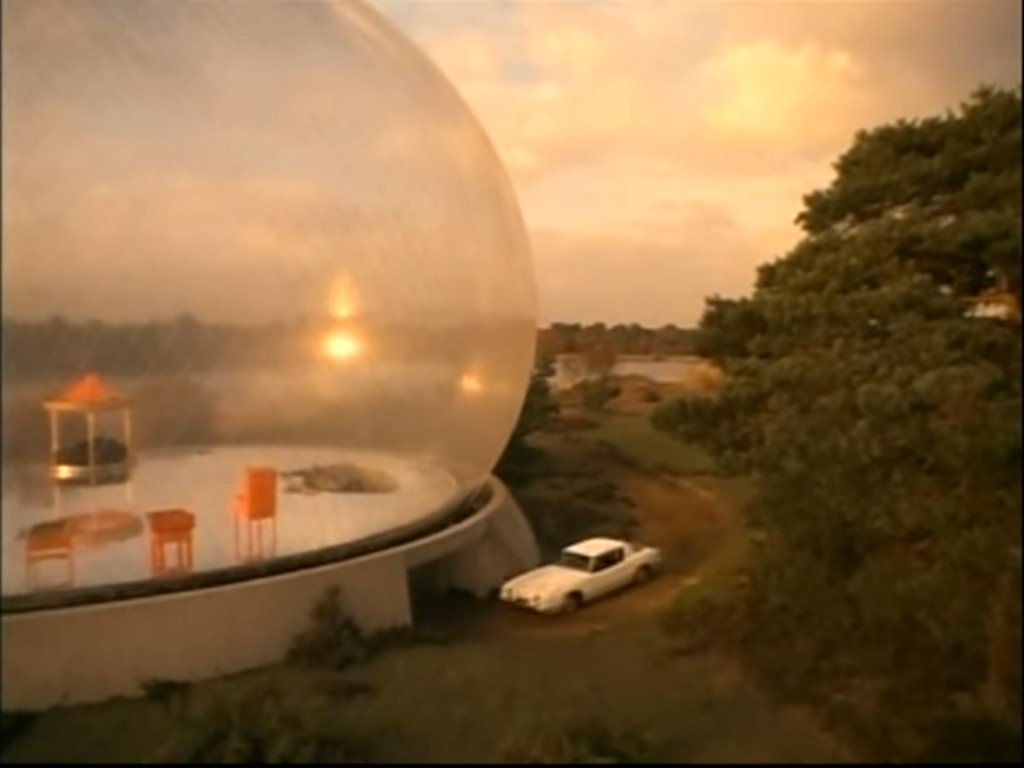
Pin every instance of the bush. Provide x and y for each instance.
(334, 641)
(973, 740)
(265, 725)
(584, 741)
(702, 624)
(595, 393)
(106, 450)
(13, 724)
(166, 692)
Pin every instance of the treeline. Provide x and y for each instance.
(620, 339)
(57, 347)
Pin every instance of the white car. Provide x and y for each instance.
(585, 571)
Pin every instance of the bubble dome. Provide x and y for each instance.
(243, 241)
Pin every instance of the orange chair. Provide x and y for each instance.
(256, 504)
(174, 527)
(49, 541)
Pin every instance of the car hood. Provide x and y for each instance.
(544, 581)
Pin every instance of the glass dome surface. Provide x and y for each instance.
(278, 238)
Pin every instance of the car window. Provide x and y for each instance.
(607, 560)
(575, 561)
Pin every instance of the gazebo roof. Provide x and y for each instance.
(87, 393)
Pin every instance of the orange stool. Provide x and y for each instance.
(49, 541)
(170, 526)
(256, 504)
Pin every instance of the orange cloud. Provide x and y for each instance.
(767, 91)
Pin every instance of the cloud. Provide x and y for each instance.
(614, 118)
(651, 276)
(682, 133)
(770, 92)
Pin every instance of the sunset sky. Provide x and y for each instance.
(660, 149)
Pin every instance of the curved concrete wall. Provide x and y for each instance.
(93, 652)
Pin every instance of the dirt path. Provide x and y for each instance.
(684, 520)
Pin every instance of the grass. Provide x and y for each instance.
(720, 569)
(540, 689)
(637, 440)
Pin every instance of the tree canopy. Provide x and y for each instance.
(882, 418)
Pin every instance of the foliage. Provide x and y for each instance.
(265, 725)
(333, 641)
(649, 449)
(632, 339)
(539, 407)
(539, 410)
(595, 393)
(13, 724)
(599, 359)
(166, 692)
(559, 519)
(883, 422)
(588, 740)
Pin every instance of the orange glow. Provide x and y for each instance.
(342, 345)
(343, 302)
(471, 383)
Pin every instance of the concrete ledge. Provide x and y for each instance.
(88, 653)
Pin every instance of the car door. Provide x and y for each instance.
(620, 572)
(606, 572)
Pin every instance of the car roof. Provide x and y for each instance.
(593, 547)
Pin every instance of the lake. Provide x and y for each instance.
(569, 368)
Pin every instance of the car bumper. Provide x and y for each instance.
(523, 602)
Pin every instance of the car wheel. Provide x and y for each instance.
(643, 574)
(572, 602)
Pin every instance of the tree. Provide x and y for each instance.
(599, 358)
(595, 393)
(882, 421)
(539, 408)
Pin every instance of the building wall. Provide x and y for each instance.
(91, 653)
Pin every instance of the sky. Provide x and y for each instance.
(159, 154)
(660, 149)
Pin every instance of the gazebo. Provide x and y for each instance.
(99, 459)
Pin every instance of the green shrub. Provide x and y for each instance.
(597, 392)
(333, 641)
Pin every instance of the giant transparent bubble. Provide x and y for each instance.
(241, 236)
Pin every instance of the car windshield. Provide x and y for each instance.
(575, 561)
